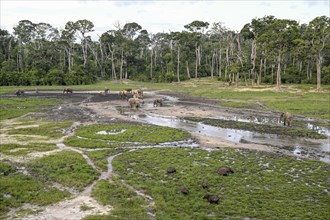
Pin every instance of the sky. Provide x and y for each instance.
(157, 16)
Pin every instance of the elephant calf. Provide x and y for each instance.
(158, 102)
(105, 92)
(287, 118)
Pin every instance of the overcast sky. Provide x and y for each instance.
(157, 16)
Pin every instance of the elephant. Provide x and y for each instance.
(123, 94)
(287, 118)
(19, 92)
(67, 90)
(105, 92)
(158, 102)
(135, 103)
(137, 92)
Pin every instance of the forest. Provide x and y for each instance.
(266, 50)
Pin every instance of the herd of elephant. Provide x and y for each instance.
(137, 100)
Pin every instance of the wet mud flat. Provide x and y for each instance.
(92, 107)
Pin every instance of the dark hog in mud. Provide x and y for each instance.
(212, 198)
(19, 92)
(287, 118)
(67, 90)
(158, 102)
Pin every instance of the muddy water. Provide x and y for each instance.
(298, 146)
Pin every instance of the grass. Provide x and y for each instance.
(67, 168)
(50, 130)
(133, 133)
(263, 186)
(236, 104)
(74, 141)
(100, 156)
(19, 150)
(126, 203)
(15, 107)
(17, 189)
(260, 128)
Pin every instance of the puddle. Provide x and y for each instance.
(113, 132)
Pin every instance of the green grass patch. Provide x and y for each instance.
(261, 128)
(50, 130)
(126, 203)
(74, 141)
(100, 156)
(132, 133)
(17, 189)
(19, 150)
(15, 107)
(67, 168)
(236, 104)
(263, 186)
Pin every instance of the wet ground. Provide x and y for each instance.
(91, 107)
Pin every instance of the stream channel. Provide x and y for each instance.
(298, 146)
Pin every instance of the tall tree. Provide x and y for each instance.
(280, 36)
(319, 34)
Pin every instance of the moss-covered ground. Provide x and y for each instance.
(263, 186)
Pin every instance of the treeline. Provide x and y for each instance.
(266, 50)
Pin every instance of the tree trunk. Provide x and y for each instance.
(212, 64)
(307, 69)
(259, 76)
(253, 59)
(220, 63)
(318, 71)
(278, 73)
(151, 55)
(197, 61)
(113, 67)
(187, 66)
(121, 66)
(178, 67)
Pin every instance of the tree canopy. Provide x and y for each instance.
(266, 50)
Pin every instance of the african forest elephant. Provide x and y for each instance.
(158, 102)
(67, 90)
(287, 118)
(19, 92)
